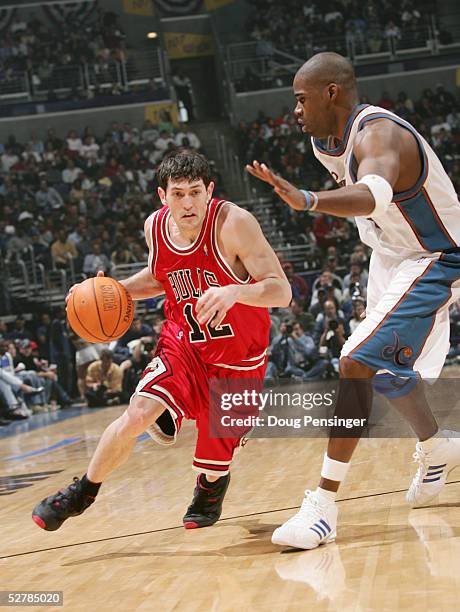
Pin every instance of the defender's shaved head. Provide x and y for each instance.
(326, 92)
(325, 68)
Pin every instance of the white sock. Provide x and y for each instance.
(325, 497)
(429, 444)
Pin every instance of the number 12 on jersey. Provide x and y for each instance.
(196, 332)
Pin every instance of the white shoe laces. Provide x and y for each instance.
(310, 508)
(420, 457)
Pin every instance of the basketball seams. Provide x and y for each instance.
(96, 296)
(119, 310)
(75, 312)
(96, 303)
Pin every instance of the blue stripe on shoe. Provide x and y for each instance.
(431, 479)
(321, 528)
(436, 473)
(437, 467)
(323, 522)
(317, 533)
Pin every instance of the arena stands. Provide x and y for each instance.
(72, 54)
(72, 204)
(279, 37)
(57, 192)
(43, 47)
(297, 27)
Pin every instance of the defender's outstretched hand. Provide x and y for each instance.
(286, 191)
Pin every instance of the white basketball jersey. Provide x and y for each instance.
(421, 220)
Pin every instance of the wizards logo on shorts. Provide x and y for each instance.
(400, 355)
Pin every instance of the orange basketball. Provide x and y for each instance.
(100, 309)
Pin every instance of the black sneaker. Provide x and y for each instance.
(52, 511)
(206, 506)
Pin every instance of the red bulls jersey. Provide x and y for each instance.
(241, 341)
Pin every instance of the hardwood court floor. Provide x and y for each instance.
(130, 552)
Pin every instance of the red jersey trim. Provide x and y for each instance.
(155, 395)
(215, 247)
(211, 461)
(242, 368)
(210, 470)
(162, 392)
(195, 245)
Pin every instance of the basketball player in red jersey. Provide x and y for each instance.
(219, 275)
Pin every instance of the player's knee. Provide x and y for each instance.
(392, 386)
(349, 368)
(141, 413)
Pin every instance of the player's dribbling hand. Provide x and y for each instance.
(214, 304)
(72, 288)
(286, 191)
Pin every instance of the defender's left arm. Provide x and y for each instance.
(242, 237)
(377, 154)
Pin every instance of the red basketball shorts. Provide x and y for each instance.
(180, 380)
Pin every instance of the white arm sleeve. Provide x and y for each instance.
(382, 193)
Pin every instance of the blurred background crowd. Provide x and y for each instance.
(80, 202)
(298, 27)
(73, 202)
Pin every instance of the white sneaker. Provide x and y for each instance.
(314, 524)
(433, 468)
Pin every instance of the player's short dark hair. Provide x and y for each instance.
(183, 164)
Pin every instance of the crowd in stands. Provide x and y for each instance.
(77, 201)
(72, 61)
(41, 47)
(302, 28)
(84, 199)
(278, 141)
(45, 367)
(348, 27)
(307, 337)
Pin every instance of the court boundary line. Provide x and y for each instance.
(228, 518)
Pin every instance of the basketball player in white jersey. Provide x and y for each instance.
(407, 211)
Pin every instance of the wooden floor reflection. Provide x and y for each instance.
(130, 552)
